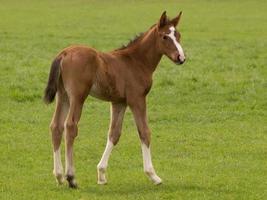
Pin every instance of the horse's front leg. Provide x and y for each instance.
(117, 112)
(138, 108)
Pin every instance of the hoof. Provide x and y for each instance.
(59, 179)
(153, 177)
(156, 180)
(101, 178)
(102, 182)
(71, 181)
(159, 182)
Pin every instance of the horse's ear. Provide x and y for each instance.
(176, 20)
(163, 20)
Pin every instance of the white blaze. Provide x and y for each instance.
(176, 43)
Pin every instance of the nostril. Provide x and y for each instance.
(181, 59)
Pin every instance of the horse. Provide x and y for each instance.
(122, 77)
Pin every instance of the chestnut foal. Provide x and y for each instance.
(123, 77)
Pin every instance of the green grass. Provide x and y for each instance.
(208, 117)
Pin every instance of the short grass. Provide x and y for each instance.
(208, 117)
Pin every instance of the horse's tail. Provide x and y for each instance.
(52, 84)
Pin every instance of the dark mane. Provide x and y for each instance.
(134, 40)
(131, 42)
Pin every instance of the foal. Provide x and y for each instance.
(122, 77)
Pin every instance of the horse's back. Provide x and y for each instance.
(85, 70)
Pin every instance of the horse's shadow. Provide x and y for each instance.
(146, 188)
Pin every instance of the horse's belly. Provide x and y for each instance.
(104, 93)
(97, 92)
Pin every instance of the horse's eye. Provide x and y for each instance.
(165, 37)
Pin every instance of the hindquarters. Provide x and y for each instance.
(78, 70)
(75, 69)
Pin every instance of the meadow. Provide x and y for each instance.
(208, 117)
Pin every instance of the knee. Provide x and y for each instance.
(56, 129)
(71, 129)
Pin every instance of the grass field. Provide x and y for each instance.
(208, 117)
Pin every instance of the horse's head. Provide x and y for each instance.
(169, 38)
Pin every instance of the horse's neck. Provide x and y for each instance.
(146, 51)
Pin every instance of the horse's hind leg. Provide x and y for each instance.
(71, 127)
(57, 128)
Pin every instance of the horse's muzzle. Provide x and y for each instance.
(180, 60)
